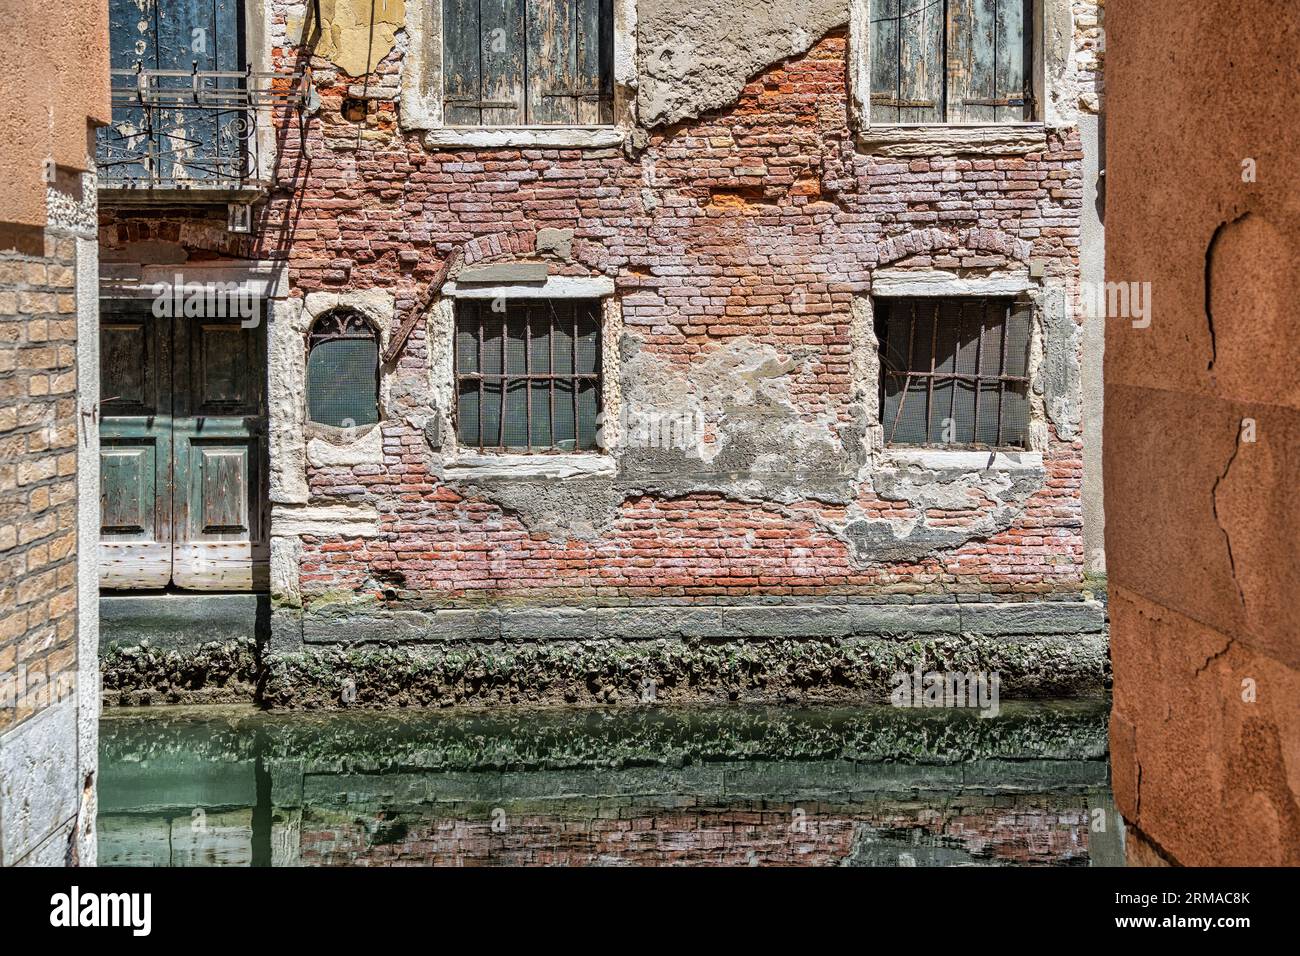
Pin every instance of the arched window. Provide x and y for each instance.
(343, 370)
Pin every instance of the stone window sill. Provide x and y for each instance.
(512, 465)
(486, 137)
(1003, 139)
(965, 459)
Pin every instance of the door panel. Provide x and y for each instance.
(183, 451)
(219, 441)
(135, 447)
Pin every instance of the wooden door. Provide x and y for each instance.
(135, 453)
(218, 450)
(183, 459)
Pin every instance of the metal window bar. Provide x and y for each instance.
(579, 318)
(904, 319)
(150, 143)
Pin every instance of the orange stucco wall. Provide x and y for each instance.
(1202, 445)
(55, 76)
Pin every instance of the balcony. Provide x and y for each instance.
(195, 135)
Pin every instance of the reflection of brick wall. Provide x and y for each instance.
(1025, 830)
(38, 464)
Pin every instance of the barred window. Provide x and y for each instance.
(342, 370)
(528, 375)
(954, 371)
(528, 62)
(952, 61)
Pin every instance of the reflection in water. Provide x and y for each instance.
(869, 786)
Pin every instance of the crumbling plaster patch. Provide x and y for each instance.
(727, 424)
(290, 448)
(697, 55)
(994, 497)
(355, 35)
(291, 321)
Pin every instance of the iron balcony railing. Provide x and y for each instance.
(193, 129)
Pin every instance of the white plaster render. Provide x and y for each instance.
(996, 139)
(421, 90)
(365, 450)
(555, 287)
(286, 371)
(490, 137)
(286, 552)
(88, 524)
(264, 279)
(939, 282)
(974, 461)
(509, 465)
(327, 521)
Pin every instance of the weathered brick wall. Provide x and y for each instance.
(757, 227)
(38, 466)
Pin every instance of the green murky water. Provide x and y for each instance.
(739, 786)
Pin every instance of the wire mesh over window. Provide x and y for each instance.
(343, 371)
(528, 377)
(954, 371)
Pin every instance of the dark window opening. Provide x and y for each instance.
(954, 372)
(952, 61)
(528, 376)
(343, 371)
(528, 62)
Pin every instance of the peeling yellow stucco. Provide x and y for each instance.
(356, 34)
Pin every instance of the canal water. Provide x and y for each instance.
(873, 786)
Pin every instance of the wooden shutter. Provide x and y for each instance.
(955, 61)
(920, 81)
(528, 62)
(988, 54)
(552, 62)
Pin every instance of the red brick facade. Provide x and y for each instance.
(760, 223)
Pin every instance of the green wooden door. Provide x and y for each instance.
(135, 454)
(183, 484)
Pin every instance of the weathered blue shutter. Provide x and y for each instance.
(528, 62)
(179, 140)
(955, 61)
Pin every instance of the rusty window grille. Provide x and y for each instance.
(528, 376)
(342, 371)
(534, 63)
(954, 371)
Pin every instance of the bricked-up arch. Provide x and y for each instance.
(931, 241)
